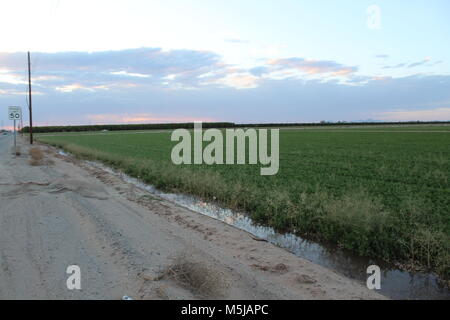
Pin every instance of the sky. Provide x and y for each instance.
(101, 62)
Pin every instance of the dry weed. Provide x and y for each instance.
(197, 277)
(37, 158)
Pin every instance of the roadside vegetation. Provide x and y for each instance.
(379, 194)
(38, 158)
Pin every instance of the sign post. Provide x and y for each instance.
(15, 113)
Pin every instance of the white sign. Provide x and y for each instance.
(15, 113)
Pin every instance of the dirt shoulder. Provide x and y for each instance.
(58, 211)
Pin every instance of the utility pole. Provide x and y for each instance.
(29, 99)
(15, 138)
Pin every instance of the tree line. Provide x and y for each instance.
(190, 125)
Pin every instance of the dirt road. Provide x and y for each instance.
(64, 212)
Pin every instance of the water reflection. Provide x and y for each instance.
(395, 283)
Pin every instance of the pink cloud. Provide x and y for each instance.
(141, 118)
(310, 66)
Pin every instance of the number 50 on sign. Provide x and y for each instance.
(15, 113)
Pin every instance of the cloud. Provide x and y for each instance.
(129, 74)
(426, 61)
(286, 100)
(15, 92)
(140, 118)
(12, 92)
(156, 85)
(238, 41)
(382, 56)
(310, 66)
(150, 68)
(238, 81)
(142, 61)
(258, 71)
(438, 114)
(147, 66)
(400, 65)
(77, 86)
(6, 76)
(419, 63)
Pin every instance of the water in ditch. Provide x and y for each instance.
(395, 283)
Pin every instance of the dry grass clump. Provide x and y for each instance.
(196, 277)
(36, 154)
(37, 157)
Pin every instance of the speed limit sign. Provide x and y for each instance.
(15, 113)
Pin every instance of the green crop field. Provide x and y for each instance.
(382, 192)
